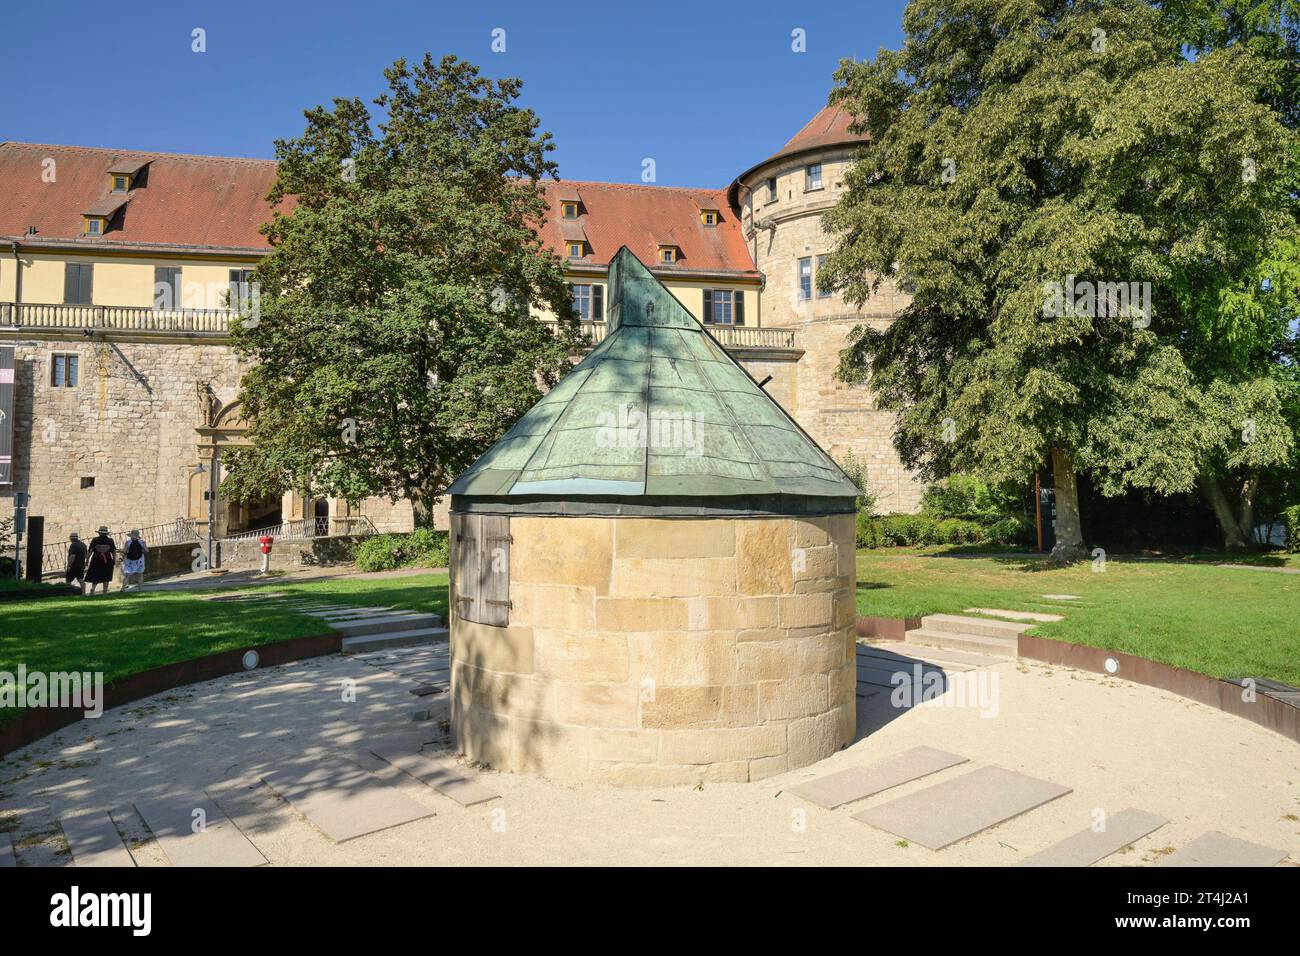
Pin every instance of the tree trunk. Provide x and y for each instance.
(1213, 491)
(422, 510)
(1069, 530)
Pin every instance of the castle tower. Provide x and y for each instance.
(780, 202)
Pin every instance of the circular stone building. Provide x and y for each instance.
(653, 572)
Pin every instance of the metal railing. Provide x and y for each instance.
(729, 336)
(54, 554)
(304, 529)
(116, 318)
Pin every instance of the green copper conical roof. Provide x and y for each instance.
(657, 412)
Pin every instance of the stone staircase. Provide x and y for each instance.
(974, 635)
(378, 628)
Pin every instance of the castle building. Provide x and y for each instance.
(119, 270)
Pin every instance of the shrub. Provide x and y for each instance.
(422, 548)
(1009, 530)
(965, 496)
(856, 469)
(911, 531)
(1291, 518)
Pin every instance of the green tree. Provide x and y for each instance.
(394, 340)
(1029, 160)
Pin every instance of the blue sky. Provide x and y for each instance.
(706, 89)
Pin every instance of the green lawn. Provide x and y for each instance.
(124, 633)
(1224, 622)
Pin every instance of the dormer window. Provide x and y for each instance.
(577, 250)
(124, 173)
(93, 225)
(709, 217)
(121, 184)
(669, 254)
(569, 210)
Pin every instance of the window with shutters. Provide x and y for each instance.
(481, 568)
(589, 302)
(240, 289)
(78, 283)
(166, 288)
(724, 307)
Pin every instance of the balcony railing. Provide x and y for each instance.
(115, 318)
(730, 336)
(120, 318)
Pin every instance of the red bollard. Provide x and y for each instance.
(267, 541)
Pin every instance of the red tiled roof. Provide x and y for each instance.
(829, 127)
(208, 201)
(644, 217)
(214, 202)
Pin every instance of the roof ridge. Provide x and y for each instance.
(655, 186)
(135, 152)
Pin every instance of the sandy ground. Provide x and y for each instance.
(1116, 744)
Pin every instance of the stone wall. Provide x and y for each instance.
(129, 424)
(649, 652)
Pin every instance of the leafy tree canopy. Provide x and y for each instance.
(1025, 146)
(395, 342)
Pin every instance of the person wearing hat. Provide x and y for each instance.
(103, 556)
(76, 569)
(133, 561)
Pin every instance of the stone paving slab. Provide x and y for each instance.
(1219, 849)
(1088, 846)
(7, 858)
(858, 783)
(342, 800)
(947, 812)
(439, 774)
(218, 843)
(94, 840)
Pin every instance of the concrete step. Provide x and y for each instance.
(1034, 616)
(373, 642)
(984, 627)
(388, 622)
(950, 640)
(936, 654)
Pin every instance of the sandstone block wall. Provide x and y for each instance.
(129, 424)
(841, 418)
(651, 652)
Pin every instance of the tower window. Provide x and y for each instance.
(87, 482)
(821, 264)
(771, 189)
(805, 279)
(812, 176)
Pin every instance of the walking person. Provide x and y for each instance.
(76, 567)
(133, 565)
(103, 556)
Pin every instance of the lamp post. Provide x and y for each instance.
(200, 469)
